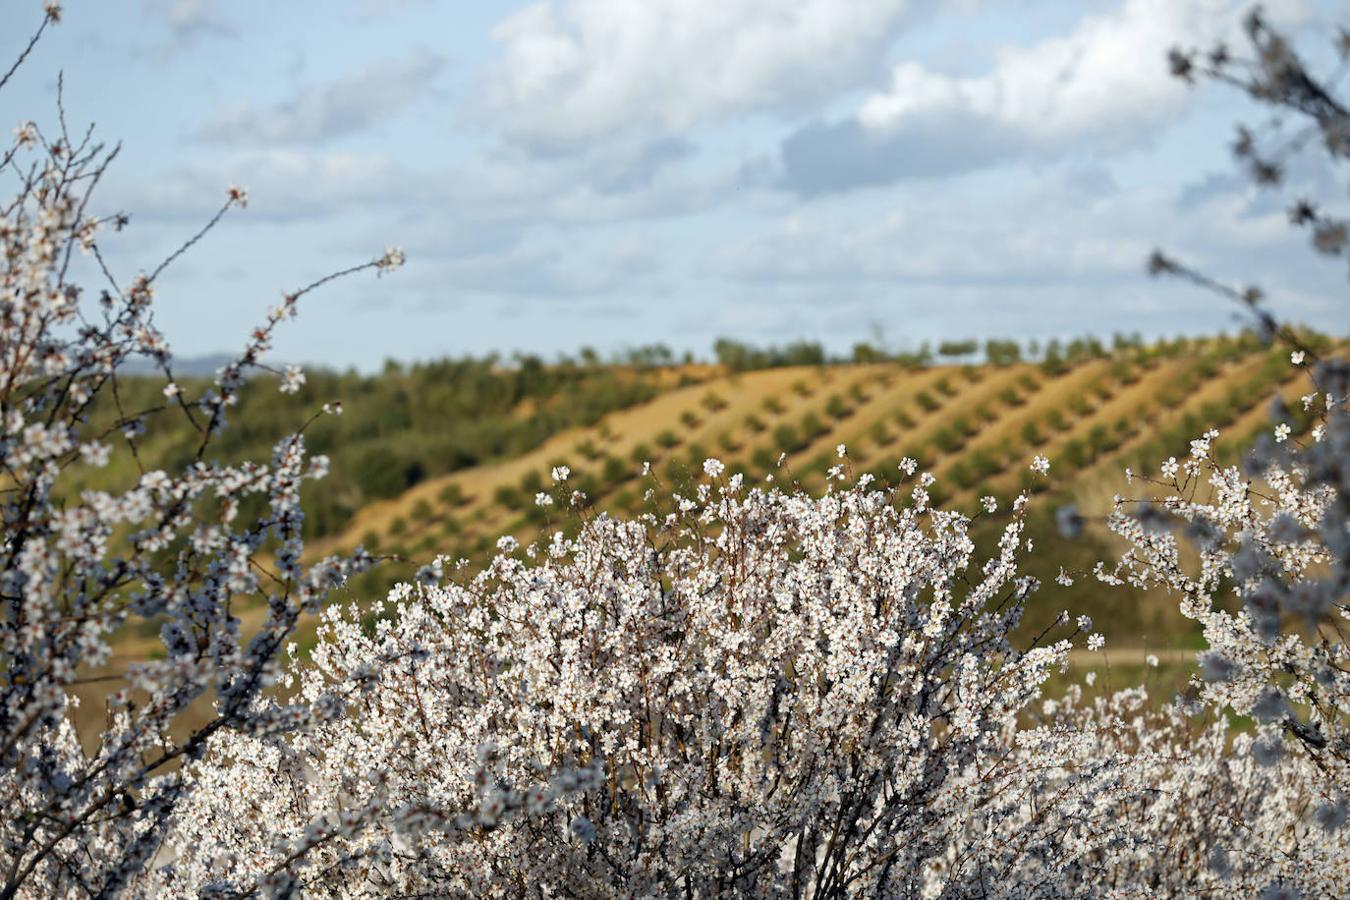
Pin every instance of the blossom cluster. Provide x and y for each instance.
(770, 694)
(757, 693)
(1274, 536)
(775, 693)
(171, 550)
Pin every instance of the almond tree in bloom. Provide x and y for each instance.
(173, 550)
(747, 691)
(775, 695)
(1271, 538)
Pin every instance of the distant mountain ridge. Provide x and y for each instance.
(186, 366)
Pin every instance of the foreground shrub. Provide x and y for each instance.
(785, 695)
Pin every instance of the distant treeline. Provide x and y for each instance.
(1053, 355)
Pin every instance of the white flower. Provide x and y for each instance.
(542, 499)
(95, 453)
(238, 196)
(560, 473)
(1296, 357)
(1040, 465)
(1095, 642)
(1151, 660)
(393, 258)
(841, 451)
(989, 504)
(26, 134)
(713, 468)
(292, 379)
(1085, 623)
(1282, 432)
(172, 390)
(1169, 468)
(507, 544)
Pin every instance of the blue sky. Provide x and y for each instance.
(612, 173)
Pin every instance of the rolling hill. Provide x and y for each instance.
(974, 427)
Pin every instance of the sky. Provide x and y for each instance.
(614, 173)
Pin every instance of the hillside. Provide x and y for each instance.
(974, 427)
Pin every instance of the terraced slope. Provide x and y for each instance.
(975, 428)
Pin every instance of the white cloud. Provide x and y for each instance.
(187, 18)
(1102, 87)
(335, 108)
(1105, 78)
(575, 70)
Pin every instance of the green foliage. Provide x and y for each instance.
(1002, 353)
(452, 495)
(614, 471)
(508, 497)
(837, 408)
(713, 402)
(786, 438)
(956, 349)
(399, 428)
(812, 427)
(742, 357)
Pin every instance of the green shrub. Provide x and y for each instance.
(837, 408)
(614, 471)
(813, 427)
(948, 440)
(452, 495)
(508, 497)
